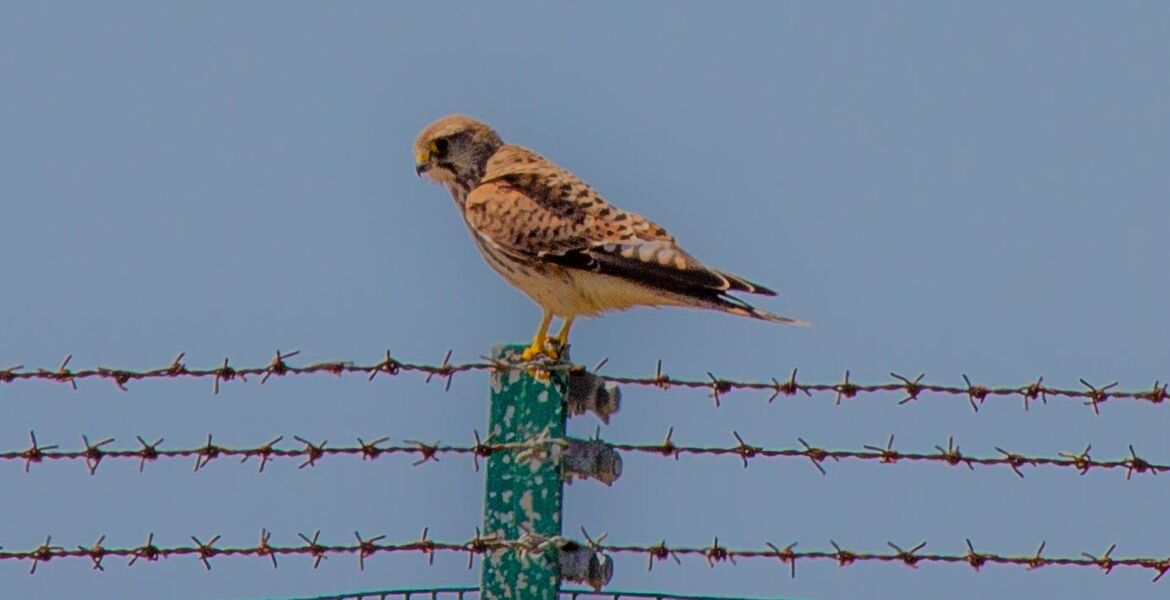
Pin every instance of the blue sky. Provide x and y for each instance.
(938, 188)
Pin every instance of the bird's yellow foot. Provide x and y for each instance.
(530, 353)
(538, 370)
(553, 347)
(549, 347)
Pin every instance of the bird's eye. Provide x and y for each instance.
(439, 147)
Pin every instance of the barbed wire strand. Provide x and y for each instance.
(531, 545)
(1091, 395)
(93, 453)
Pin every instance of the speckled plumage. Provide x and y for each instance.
(556, 239)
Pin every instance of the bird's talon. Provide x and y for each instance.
(531, 353)
(550, 349)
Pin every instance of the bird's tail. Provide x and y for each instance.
(735, 306)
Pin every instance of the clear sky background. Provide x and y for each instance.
(939, 189)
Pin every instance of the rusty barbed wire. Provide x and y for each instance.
(976, 394)
(533, 545)
(311, 547)
(94, 452)
(950, 455)
(225, 372)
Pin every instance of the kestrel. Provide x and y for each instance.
(556, 239)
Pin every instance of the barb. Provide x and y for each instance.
(364, 548)
(311, 453)
(977, 395)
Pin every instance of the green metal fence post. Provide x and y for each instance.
(523, 496)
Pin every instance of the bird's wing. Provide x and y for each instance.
(529, 207)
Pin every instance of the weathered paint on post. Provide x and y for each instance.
(523, 495)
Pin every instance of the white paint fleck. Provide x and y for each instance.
(526, 504)
(508, 414)
(501, 582)
(507, 495)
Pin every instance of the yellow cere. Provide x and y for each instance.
(420, 158)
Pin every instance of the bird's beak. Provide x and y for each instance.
(422, 162)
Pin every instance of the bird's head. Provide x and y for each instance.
(455, 149)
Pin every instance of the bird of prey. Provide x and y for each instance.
(555, 238)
